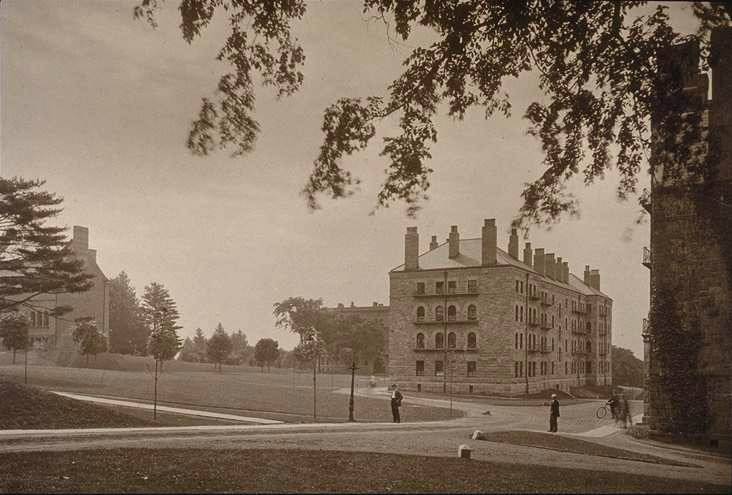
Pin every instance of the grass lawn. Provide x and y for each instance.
(281, 394)
(27, 408)
(573, 445)
(178, 470)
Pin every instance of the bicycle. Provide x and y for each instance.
(602, 411)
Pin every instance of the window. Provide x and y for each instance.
(45, 319)
(515, 369)
(472, 344)
(33, 318)
(439, 313)
(566, 368)
(521, 368)
(515, 340)
(516, 312)
(521, 287)
(420, 341)
(439, 368)
(521, 341)
(451, 313)
(517, 286)
(420, 287)
(439, 287)
(420, 313)
(419, 369)
(439, 341)
(471, 368)
(451, 286)
(589, 326)
(589, 366)
(451, 340)
(521, 314)
(472, 286)
(472, 312)
(589, 347)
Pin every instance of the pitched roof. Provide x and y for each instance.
(470, 256)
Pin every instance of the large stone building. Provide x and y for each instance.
(56, 333)
(502, 324)
(691, 233)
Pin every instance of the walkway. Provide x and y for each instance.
(167, 409)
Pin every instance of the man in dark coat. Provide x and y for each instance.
(396, 402)
(553, 414)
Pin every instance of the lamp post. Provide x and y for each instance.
(444, 333)
(353, 378)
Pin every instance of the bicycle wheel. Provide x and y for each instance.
(601, 412)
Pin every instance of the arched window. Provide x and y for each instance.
(439, 341)
(589, 326)
(420, 341)
(589, 346)
(451, 340)
(420, 313)
(451, 313)
(472, 312)
(471, 341)
(439, 313)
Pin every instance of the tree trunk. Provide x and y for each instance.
(14, 351)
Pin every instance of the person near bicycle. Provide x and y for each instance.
(613, 403)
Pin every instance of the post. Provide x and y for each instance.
(25, 371)
(315, 414)
(155, 397)
(350, 400)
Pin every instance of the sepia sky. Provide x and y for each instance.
(99, 105)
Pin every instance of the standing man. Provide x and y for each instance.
(396, 402)
(553, 414)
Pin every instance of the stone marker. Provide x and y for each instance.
(477, 435)
(464, 451)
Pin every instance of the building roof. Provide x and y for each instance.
(470, 256)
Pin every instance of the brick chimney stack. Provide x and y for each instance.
(559, 270)
(565, 267)
(80, 240)
(513, 245)
(586, 278)
(539, 265)
(595, 279)
(549, 266)
(411, 249)
(433, 243)
(528, 258)
(454, 241)
(489, 238)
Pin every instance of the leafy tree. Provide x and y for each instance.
(35, 258)
(596, 63)
(14, 332)
(627, 369)
(299, 315)
(353, 339)
(160, 314)
(128, 334)
(218, 347)
(266, 352)
(199, 345)
(240, 349)
(91, 341)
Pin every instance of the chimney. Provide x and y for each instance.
(559, 270)
(411, 249)
(528, 258)
(513, 245)
(488, 242)
(549, 266)
(454, 240)
(586, 278)
(539, 261)
(565, 267)
(375, 304)
(595, 279)
(80, 241)
(433, 243)
(340, 305)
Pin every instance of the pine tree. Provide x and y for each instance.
(160, 314)
(218, 347)
(128, 334)
(35, 258)
(188, 352)
(239, 347)
(199, 346)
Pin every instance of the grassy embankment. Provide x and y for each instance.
(284, 395)
(178, 471)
